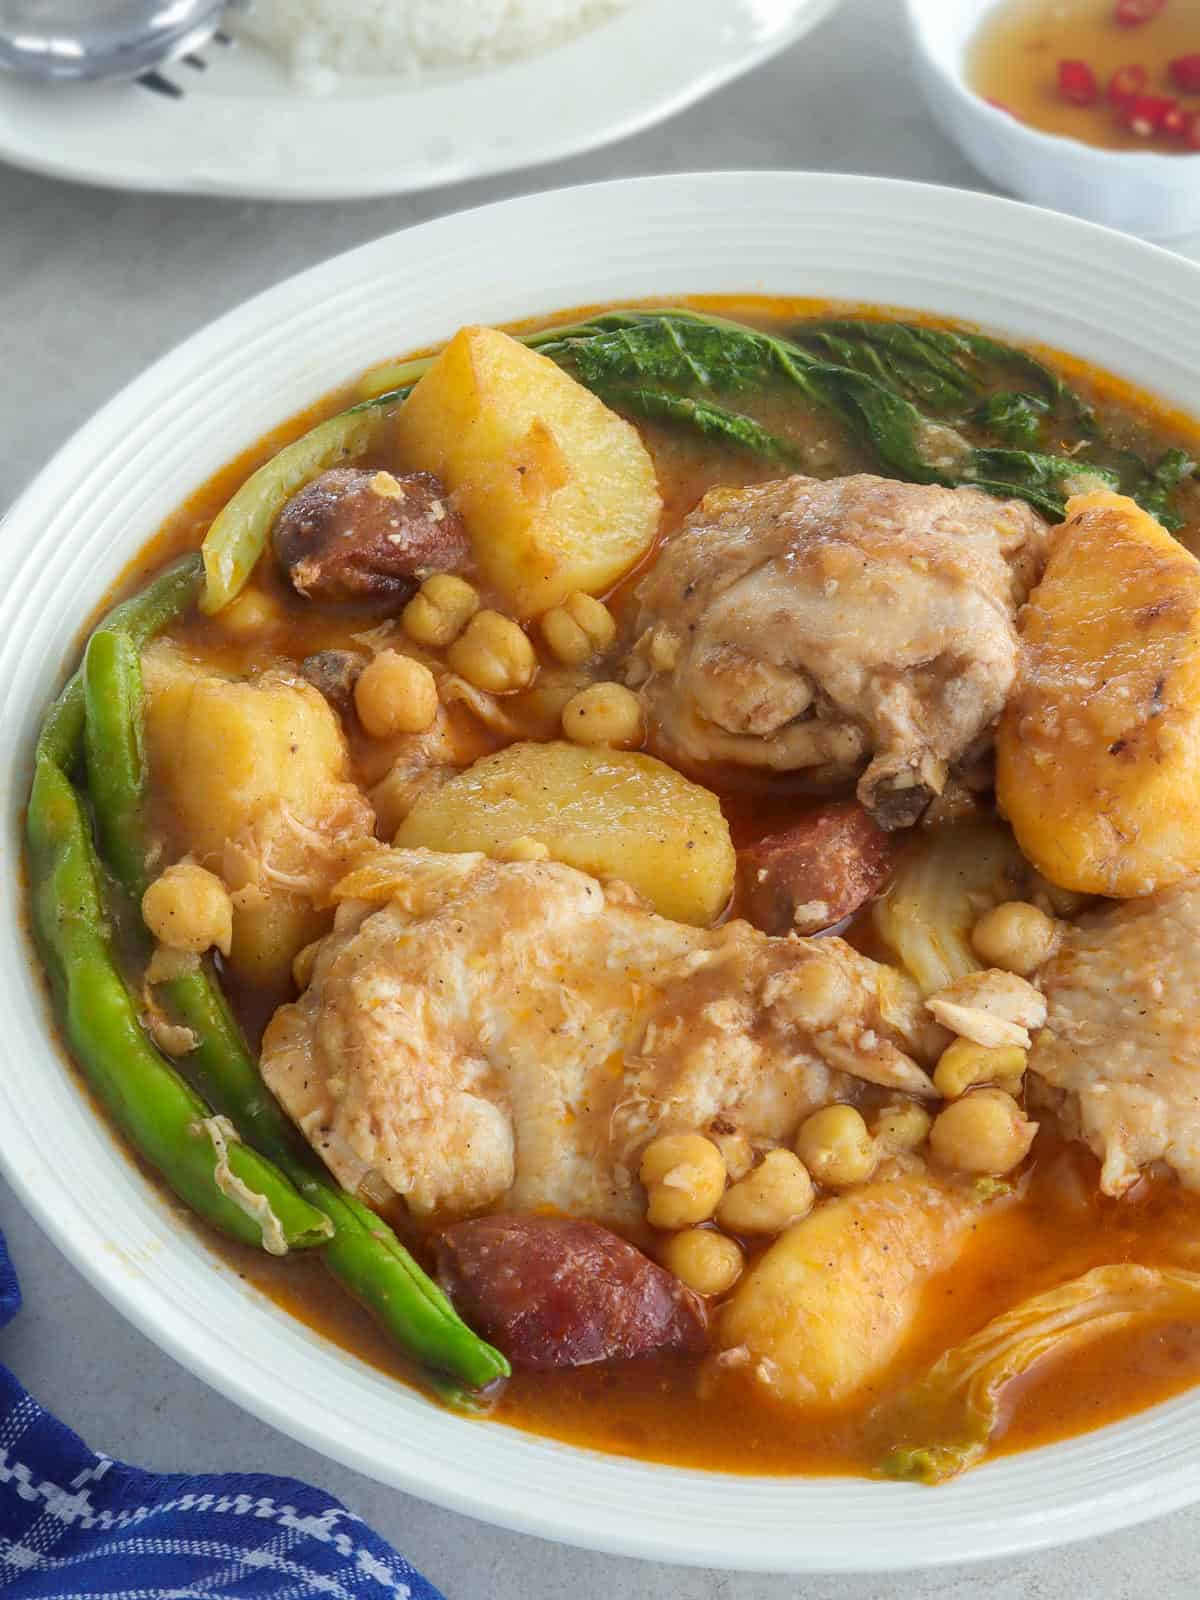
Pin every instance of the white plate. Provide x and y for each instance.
(1029, 274)
(244, 129)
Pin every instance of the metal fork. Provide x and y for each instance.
(92, 40)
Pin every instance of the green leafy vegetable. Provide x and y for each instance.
(939, 367)
(1157, 491)
(945, 1422)
(706, 417)
(934, 405)
(876, 376)
(1045, 481)
(1015, 418)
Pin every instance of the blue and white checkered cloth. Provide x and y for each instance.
(75, 1525)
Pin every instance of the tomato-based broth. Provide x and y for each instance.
(660, 1408)
(1025, 1228)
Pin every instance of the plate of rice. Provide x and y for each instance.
(339, 99)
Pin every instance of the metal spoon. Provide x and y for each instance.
(94, 39)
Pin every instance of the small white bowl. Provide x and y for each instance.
(1140, 191)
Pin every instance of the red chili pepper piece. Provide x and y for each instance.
(1126, 83)
(1146, 114)
(1077, 83)
(1185, 73)
(1174, 122)
(1191, 133)
(1132, 13)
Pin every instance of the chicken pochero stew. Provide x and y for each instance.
(692, 822)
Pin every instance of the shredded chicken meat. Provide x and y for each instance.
(478, 1031)
(1120, 1052)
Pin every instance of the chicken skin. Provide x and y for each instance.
(479, 1032)
(1119, 1055)
(851, 628)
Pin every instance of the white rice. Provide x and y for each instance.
(320, 38)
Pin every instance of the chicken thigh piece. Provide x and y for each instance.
(479, 1031)
(835, 626)
(1119, 1055)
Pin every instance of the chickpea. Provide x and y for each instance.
(606, 714)
(578, 630)
(252, 612)
(303, 963)
(710, 1263)
(835, 1146)
(395, 694)
(963, 1064)
(1016, 937)
(777, 1193)
(440, 610)
(684, 1177)
(494, 654)
(189, 908)
(903, 1127)
(736, 1149)
(985, 1132)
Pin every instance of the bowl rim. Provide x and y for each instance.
(920, 21)
(802, 1534)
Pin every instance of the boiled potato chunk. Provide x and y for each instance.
(558, 493)
(1098, 750)
(612, 813)
(255, 780)
(827, 1308)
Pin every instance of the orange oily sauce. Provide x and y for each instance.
(671, 1410)
(666, 1409)
(1014, 58)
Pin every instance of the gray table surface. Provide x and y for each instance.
(95, 285)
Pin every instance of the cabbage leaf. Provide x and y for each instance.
(945, 882)
(945, 1422)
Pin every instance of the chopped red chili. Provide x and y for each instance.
(1146, 114)
(1174, 123)
(1126, 83)
(1077, 83)
(1132, 13)
(1185, 73)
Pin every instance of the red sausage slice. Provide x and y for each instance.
(556, 1292)
(355, 534)
(816, 872)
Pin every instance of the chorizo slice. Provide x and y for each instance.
(815, 873)
(355, 534)
(558, 1292)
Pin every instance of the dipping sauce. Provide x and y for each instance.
(1118, 74)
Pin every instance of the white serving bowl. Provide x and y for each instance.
(1141, 191)
(1028, 274)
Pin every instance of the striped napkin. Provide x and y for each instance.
(76, 1524)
